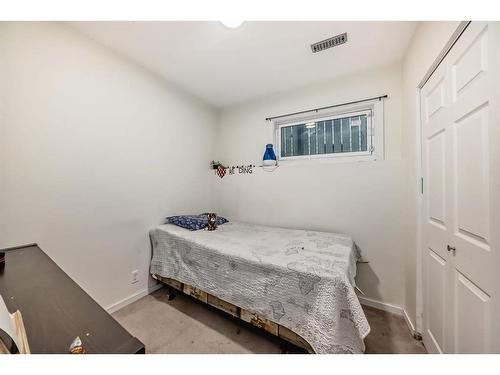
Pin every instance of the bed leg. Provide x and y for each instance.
(170, 293)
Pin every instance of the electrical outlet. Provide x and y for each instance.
(135, 277)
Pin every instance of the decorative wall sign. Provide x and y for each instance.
(221, 170)
(242, 169)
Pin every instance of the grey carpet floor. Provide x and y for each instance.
(185, 325)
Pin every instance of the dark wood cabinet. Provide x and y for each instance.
(55, 309)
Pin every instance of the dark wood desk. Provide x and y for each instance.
(55, 309)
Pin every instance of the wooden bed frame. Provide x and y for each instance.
(236, 311)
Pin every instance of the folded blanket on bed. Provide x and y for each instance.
(302, 280)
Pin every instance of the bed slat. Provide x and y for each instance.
(173, 283)
(223, 305)
(259, 322)
(195, 292)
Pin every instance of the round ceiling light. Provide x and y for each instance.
(232, 24)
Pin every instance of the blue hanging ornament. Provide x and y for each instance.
(269, 159)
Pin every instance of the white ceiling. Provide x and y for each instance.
(226, 66)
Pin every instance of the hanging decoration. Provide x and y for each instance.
(221, 171)
(269, 164)
(269, 158)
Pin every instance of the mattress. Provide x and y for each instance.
(302, 280)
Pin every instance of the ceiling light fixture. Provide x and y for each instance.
(310, 125)
(232, 24)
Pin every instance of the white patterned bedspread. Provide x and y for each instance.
(303, 280)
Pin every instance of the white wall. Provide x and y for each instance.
(427, 42)
(364, 199)
(94, 151)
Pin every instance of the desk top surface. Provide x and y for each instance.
(55, 309)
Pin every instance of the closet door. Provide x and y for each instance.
(461, 164)
(437, 228)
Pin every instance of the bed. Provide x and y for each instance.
(296, 284)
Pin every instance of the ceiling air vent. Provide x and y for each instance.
(329, 43)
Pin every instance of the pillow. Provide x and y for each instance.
(193, 222)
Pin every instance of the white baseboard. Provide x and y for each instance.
(409, 323)
(381, 305)
(134, 297)
(392, 309)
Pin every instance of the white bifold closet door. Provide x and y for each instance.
(460, 114)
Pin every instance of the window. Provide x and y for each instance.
(348, 132)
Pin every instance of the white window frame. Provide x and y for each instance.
(375, 132)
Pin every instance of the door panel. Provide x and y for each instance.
(435, 150)
(435, 99)
(471, 174)
(436, 145)
(461, 224)
(436, 294)
(472, 317)
(471, 63)
(475, 254)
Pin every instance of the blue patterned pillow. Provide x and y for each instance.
(193, 222)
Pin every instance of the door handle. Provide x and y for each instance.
(449, 248)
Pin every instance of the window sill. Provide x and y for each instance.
(329, 160)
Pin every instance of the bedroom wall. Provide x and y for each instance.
(94, 151)
(426, 44)
(363, 199)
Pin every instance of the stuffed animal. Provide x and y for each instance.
(212, 221)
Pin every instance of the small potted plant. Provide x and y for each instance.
(216, 164)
